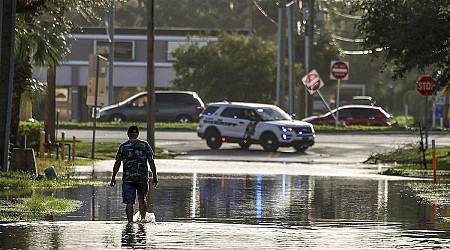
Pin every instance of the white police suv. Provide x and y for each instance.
(253, 123)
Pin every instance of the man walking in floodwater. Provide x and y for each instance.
(134, 153)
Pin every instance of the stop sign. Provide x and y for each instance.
(312, 81)
(426, 85)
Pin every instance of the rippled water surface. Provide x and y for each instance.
(208, 211)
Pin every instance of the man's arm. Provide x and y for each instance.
(151, 162)
(115, 170)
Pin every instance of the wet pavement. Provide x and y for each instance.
(280, 166)
(247, 205)
(198, 235)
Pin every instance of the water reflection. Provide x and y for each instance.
(134, 235)
(257, 199)
(245, 211)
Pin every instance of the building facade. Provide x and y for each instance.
(129, 66)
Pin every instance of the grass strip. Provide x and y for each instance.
(35, 207)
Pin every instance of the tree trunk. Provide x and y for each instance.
(50, 104)
(22, 74)
(7, 22)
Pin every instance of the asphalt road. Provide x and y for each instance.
(329, 148)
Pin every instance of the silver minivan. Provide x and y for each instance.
(170, 106)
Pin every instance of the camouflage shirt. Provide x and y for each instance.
(134, 154)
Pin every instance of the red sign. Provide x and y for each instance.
(426, 85)
(312, 81)
(339, 70)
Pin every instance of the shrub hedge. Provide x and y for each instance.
(32, 131)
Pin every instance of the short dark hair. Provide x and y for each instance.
(133, 130)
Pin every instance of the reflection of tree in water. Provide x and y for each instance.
(134, 235)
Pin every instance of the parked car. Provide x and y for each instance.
(170, 106)
(253, 123)
(353, 115)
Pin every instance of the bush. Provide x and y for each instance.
(32, 130)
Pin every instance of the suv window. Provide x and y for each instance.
(197, 99)
(139, 102)
(345, 113)
(210, 110)
(269, 114)
(232, 112)
(174, 98)
(183, 98)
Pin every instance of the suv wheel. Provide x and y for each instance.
(300, 149)
(183, 119)
(269, 142)
(213, 139)
(117, 118)
(244, 145)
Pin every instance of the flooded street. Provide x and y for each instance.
(288, 208)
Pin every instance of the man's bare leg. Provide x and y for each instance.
(142, 208)
(129, 212)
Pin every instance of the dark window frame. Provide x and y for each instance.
(102, 47)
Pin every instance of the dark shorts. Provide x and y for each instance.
(129, 190)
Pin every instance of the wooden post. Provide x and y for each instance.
(42, 144)
(50, 147)
(63, 144)
(433, 157)
(73, 148)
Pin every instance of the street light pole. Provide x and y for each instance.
(98, 70)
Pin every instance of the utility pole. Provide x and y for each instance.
(308, 19)
(7, 29)
(250, 10)
(150, 74)
(110, 29)
(291, 54)
(281, 68)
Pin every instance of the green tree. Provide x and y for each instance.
(252, 15)
(235, 68)
(410, 33)
(212, 14)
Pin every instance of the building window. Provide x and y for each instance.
(123, 51)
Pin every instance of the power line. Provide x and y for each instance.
(345, 39)
(334, 10)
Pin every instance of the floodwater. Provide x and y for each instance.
(214, 211)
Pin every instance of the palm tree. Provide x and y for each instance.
(41, 43)
(32, 96)
(41, 33)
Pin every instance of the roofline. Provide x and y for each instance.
(162, 31)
